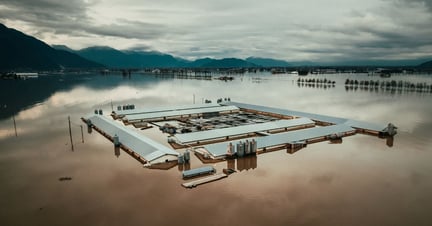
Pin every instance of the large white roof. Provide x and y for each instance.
(156, 115)
(142, 145)
(163, 108)
(317, 117)
(240, 130)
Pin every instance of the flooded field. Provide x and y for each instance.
(362, 181)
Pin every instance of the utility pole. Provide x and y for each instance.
(194, 98)
(70, 133)
(16, 134)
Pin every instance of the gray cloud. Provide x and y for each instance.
(425, 3)
(291, 30)
(70, 18)
(140, 47)
(128, 29)
(45, 11)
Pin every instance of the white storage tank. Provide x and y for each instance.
(180, 159)
(240, 149)
(247, 147)
(230, 148)
(254, 146)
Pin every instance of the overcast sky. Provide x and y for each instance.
(293, 30)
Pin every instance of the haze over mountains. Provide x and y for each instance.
(23, 52)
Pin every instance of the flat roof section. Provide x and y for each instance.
(240, 130)
(122, 113)
(198, 171)
(317, 117)
(365, 125)
(144, 146)
(156, 115)
(220, 149)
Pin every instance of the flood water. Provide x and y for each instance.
(362, 181)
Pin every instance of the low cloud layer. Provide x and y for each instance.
(291, 30)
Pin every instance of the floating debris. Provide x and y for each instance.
(65, 178)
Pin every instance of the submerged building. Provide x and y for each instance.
(224, 130)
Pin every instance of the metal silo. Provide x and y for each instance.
(253, 146)
(247, 147)
(116, 140)
(240, 149)
(180, 159)
(187, 155)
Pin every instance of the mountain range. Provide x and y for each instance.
(427, 65)
(142, 59)
(24, 52)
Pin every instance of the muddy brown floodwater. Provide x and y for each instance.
(362, 181)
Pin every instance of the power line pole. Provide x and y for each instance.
(16, 133)
(70, 133)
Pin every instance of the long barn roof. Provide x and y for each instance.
(316, 117)
(220, 149)
(142, 145)
(240, 130)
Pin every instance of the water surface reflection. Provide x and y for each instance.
(358, 182)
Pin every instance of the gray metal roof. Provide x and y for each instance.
(144, 146)
(316, 117)
(239, 130)
(198, 171)
(163, 108)
(365, 125)
(292, 137)
(155, 115)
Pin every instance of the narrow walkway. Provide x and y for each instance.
(204, 180)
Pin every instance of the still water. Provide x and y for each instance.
(362, 181)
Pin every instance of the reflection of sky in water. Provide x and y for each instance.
(361, 181)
